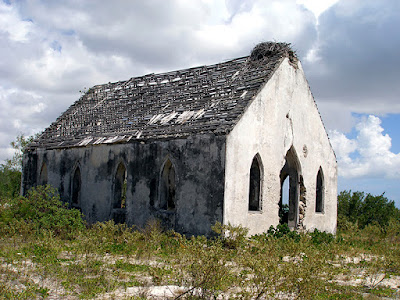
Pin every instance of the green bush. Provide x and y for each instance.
(321, 237)
(362, 209)
(41, 210)
(283, 230)
(10, 182)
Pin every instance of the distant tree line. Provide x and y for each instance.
(363, 209)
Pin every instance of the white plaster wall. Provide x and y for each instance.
(281, 115)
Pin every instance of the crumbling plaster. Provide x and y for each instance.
(282, 115)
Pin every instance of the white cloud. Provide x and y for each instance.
(317, 6)
(17, 30)
(368, 154)
(22, 112)
(356, 65)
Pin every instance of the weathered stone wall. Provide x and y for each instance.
(199, 170)
(283, 116)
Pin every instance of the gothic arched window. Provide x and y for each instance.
(167, 186)
(76, 188)
(43, 175)
(120, 183)
(255, 184)
(320, 191)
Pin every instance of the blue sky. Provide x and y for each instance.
(50, 50)
(391, 123)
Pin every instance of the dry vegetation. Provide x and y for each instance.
(46, 252)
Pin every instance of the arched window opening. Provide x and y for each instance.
(76, 188)
(167, 187)
(119, 200)
(255, 185)
(320, 189)
(43, 175)
(290, 189)
(120, 183)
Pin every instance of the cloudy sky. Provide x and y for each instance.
(52, 50)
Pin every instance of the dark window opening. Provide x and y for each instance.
(43, 175)
(255, 185)
(167, 187)
(120, 183)
(76, 188)
(319, 199)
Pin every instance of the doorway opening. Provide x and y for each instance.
(290, 190)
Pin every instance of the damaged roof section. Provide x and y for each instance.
(168, 105)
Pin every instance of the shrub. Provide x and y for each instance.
(321, 237)
(232, 236)
(283, 230)
(10, 182)
(41, 210)
(204, 268)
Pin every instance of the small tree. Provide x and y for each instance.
(19, 145)
(10, 172)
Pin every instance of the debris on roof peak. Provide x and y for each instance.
(267, 49)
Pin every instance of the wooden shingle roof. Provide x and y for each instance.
(168, 105)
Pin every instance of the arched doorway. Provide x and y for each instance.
(290, 190)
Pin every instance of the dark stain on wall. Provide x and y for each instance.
(198, 161)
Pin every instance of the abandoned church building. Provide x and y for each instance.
(194, 147)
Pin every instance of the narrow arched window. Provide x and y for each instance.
(76, 188)
(320, 190)
(167, 186)
(255, 185)
(43, 175)
(120, 183)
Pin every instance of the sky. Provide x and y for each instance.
(51, 51)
